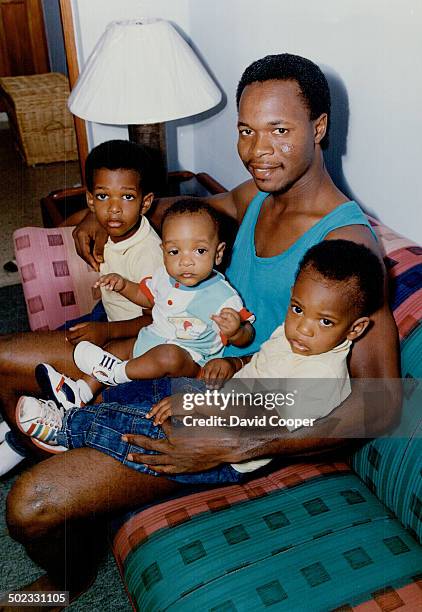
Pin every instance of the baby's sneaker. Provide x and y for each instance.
(96, 362)
(39, 419)
(58, 387)
(4, 428)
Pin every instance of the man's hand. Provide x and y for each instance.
(96, 332)
(228, 321)
(112, 282)
(88, 231)
(216, 371)
(180, 455)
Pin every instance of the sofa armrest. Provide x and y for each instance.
(60, 204)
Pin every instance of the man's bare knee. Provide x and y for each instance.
(30, 509)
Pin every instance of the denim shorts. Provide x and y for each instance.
(146, 392)
(97, 314)
(101, 427)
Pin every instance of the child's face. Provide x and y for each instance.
(117, 202)
(319, 316)
(190, 248)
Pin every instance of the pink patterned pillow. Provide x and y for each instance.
(57, 283)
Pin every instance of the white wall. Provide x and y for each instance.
(371, 52)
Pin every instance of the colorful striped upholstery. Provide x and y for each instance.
(306, 534)
(384, 463)
(403, 260)
(309, 536)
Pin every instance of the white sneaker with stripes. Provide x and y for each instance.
(96, 362)
(38, 418)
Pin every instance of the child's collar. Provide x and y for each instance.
(341, 347)
(141, 232)
(211, 280)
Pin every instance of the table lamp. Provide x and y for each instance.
(142, 73)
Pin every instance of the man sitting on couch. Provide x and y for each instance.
(58, 508)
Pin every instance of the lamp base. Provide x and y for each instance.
(153, 136)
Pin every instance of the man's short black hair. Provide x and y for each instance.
(122, 155)
(190, 206)
(353, 265)
(287, 67)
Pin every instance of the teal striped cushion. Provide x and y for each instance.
(327, 541)
(407, 501)
(389, 465)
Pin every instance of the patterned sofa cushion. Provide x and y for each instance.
(383, 464)
(306, 533)
(407, 497)
(57, 283)
(403, 260)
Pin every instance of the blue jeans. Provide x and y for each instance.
(101, 427)
(144, 393)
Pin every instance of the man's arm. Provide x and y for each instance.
(362, 415)
(375, 355)
(90, 239)
(231, 203)
(74, 219)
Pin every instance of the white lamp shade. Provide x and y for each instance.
(142, 72)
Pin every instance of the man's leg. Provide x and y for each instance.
(19, 354)
(57, 510)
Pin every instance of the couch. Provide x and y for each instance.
(320, 536)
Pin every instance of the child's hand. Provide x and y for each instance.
(165, 408)
(111, 282)
(228, 321)
(216, 371)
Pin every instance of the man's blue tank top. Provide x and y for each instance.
(265, 283)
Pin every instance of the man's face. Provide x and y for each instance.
(277, 139)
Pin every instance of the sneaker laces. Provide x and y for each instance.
(51, 414)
